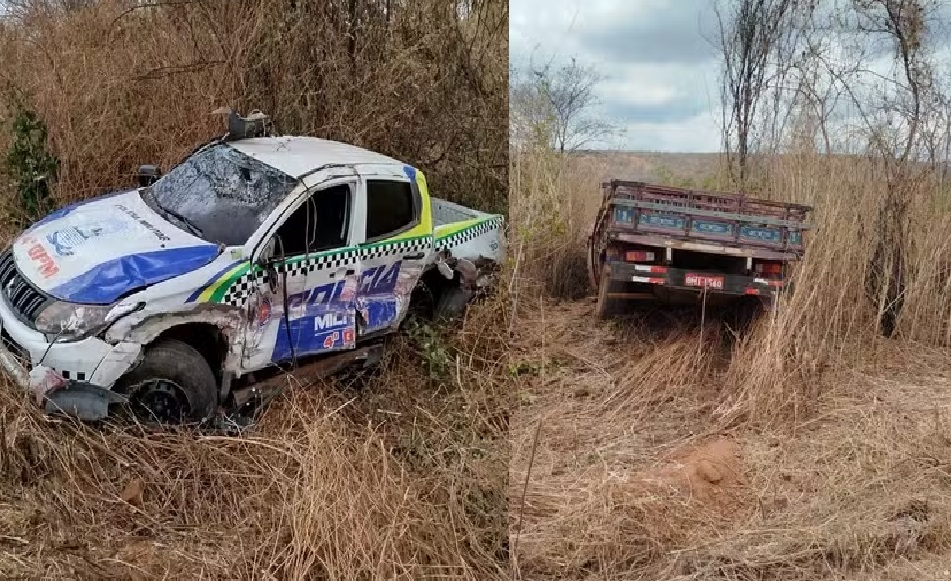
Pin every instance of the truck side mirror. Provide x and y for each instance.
(148, 175)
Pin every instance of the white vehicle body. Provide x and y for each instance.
(87, 288)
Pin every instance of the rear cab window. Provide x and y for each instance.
(393, 207)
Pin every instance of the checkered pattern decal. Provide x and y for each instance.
(241, 288)
(468, 234)
(80, 375)
(323, 261)
(245, 283)
(396, 247)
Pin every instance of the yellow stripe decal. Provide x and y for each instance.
(227, 277)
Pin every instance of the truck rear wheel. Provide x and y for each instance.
(607, 306)
(743, 313)
(172, 384)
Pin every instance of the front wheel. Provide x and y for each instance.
(173, 384)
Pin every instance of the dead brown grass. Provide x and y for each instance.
(123, 83)
(841, 451)
(400, 477)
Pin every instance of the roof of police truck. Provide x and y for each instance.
(297, 156)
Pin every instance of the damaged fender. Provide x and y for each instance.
(123, 357)
(473, 274)
(448, 266)
(144, 327)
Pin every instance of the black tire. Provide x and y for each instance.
(422, 305)
(607, 307)
(172, 374)
(452, 302)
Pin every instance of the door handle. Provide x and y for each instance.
(417, 256)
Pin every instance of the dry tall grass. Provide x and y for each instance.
(839, 465)
(396, 476)
(123, 83)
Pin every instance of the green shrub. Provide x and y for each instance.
(32, 167)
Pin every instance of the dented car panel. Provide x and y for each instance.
(85, 290)
(77, 258)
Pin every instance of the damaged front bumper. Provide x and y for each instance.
(55, 394)
(82, 393)
(74, 398)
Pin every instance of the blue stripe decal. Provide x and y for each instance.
(106, 282)
(194, 296)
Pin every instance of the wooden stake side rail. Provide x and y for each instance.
(686, 200)
(724, 218)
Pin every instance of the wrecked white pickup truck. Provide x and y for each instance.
(252, 252)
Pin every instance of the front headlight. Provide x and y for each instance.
(70, 321)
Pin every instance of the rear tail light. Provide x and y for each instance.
(635, 256)
(769, 268)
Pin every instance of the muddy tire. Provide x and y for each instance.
(172, 384)
(608, 307)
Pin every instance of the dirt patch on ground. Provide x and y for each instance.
(711, 472)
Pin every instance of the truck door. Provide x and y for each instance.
(397, 244)
(309, 307)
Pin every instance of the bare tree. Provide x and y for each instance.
(902, 23)
(750, 31)
(818, 65)
(570, 94)
(531, 117)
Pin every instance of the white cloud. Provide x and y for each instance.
(661, 70)
(700, 133)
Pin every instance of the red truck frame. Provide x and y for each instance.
(678, 245)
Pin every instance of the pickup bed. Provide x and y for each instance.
(652, 242)
(253, 252)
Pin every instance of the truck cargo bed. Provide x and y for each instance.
(725, 220)
(659, 242)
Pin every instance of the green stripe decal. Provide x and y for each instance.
(458, 227)
(391, 241)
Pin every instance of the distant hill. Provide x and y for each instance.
(684, 169)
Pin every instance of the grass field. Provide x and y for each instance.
(660, 447)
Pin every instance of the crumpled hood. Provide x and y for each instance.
(101, 249)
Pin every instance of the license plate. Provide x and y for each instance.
(703, 280)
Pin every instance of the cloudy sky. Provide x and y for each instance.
(657, 54)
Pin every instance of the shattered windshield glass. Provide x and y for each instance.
(219, 194)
